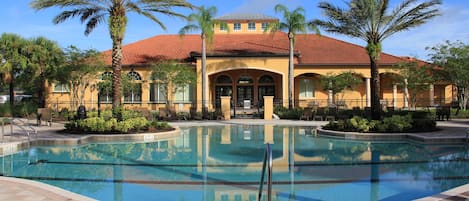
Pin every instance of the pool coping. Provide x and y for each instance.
(416, 137)
(36, 189)
(13, 147)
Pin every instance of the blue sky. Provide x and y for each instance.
(17, 17)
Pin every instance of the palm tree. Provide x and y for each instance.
(14, 60)
(203, 21)
(114, 13)
(371, 21)
(294, 22)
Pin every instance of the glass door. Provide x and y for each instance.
(245, 96)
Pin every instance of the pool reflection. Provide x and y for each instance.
(224, 163)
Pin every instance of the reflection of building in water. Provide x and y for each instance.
(227, 164)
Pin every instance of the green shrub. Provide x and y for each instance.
(102, 125)
(395, 123)
(5, 110)
(285, 113)
(137, 124)
(159, 125)
(461, 114)
(361, 124)
(97, 124)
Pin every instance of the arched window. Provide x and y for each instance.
(223, 79)
(266, 79)
(245, 80)
(266, 87)
(106, 76)
(157, 90)
(133, 92)
(105, 87)
(134, 75)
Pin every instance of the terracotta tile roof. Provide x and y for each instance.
(311, 49)
(322, 50)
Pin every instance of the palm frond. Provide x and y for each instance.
(42, 4)
(93, 22)
(403, 18)
(188, 28)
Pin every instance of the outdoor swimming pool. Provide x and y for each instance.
(224, 163)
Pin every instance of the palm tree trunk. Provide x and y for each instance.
(290, 72)
(375, 90)
(116, 70)
(12, 93)
(117, 25)
(204, 72)
(41, 91)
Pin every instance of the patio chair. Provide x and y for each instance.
(44, 114)
(442, 112)
(319, 114)
(331, 114)
(307, 114)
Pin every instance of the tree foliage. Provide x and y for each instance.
(80, 70)
(337, 83)
(452, 64)
(203, 20)
(373, 21)
(13, 49)
(172, 76)
(28, 63)
(293, 22)
(417, 78)
(45, 58)
(114, 13)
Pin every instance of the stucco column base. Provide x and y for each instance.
(225, 107)
(268, 107)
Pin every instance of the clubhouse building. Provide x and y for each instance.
(247, 64)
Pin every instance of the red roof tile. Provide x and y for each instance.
(312, 49)
(322, 50)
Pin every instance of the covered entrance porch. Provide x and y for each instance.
(246, 87)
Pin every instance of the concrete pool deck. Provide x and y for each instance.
(453, 131)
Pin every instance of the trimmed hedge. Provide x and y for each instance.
(392, 124)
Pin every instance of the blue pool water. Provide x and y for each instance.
(224, 163)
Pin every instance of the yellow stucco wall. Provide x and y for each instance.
(244, 28)
(277, 67)
(217, 65)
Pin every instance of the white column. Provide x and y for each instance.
(432, 95)
(406, 94)
(368, 92)
(329, 98)
(394, 95)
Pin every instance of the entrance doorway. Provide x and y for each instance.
(245, 96)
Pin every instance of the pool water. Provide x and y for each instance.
(225, 162)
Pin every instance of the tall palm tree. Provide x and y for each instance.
(293, 22)
(203, 21)
(114, 13)
(371, 21)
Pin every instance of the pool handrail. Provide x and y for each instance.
(22, 125)
(267, 159)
